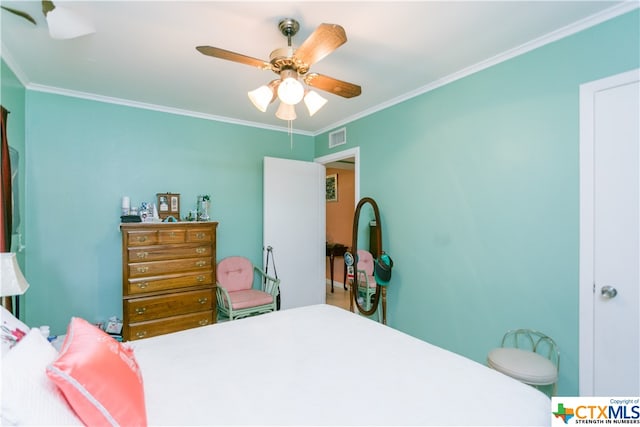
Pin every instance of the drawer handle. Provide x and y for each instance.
(142, 254)
(200, 235)
(201, 263)
(142, 238)
(172, 234)
(203, 300)
(200, 278)
(141, 310)
(141, 334)
(201, 250)
(203, 322)
(142, 285)
(142, 269)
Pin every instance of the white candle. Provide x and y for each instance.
(126, 204)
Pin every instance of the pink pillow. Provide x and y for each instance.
(99, 377)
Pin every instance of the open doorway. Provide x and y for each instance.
(343, 192)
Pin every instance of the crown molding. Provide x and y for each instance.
(551, 37)
(160, 108)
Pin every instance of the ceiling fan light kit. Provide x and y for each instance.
(292, 65)
(66, 24)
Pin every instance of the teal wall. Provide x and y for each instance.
(478, 188)
(85, 155)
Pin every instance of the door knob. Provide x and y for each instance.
(608, 292)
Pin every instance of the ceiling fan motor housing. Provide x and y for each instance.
(282, 59)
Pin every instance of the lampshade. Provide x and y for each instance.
(264, 95)
(66, 24)
(290, 90)
(12, 282)
(314, 102)
(261, 97)
(286, 111)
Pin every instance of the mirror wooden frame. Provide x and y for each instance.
(381, 291)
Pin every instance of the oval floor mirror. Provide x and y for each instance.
(366, 294)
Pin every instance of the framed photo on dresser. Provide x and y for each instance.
(168, 205)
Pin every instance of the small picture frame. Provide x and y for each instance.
(332, 187)
(168, 205)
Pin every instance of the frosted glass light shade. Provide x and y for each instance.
(286, 111)
(261, 97)
(314, 102)
(66, 24)
(12, 282)
(290, 91)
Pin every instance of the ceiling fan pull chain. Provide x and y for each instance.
(291, 133)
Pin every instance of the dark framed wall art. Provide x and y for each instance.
(332, 188)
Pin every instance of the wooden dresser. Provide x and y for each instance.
(168, 277)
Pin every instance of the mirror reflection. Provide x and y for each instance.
(367, 245)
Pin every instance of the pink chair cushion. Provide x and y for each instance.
(371, 281)
(235, 273)
(365, 261)
(249, 298)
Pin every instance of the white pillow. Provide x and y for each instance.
(12, 330)
(29, 397)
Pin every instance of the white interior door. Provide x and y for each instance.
(294, 226)
(610, 237)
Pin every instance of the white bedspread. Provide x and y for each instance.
(321, 365)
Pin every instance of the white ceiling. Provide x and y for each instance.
(143, 52)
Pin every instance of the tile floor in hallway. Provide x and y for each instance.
(339, 297)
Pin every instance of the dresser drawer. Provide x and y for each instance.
(169, 324)
(142, 237)
(157, 253)
(200, 235)
(150, 308)
(174, 235)
(177, 281)
(154, 268)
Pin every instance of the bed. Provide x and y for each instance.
(322, 365)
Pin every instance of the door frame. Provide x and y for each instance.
(587, 285)
(341, 155)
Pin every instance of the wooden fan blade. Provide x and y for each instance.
(324, 40)
(20, 13)
(335, 86)
(233, 56)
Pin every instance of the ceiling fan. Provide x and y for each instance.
(292, 65)
(63, 23)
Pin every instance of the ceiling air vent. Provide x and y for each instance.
(338, 137)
